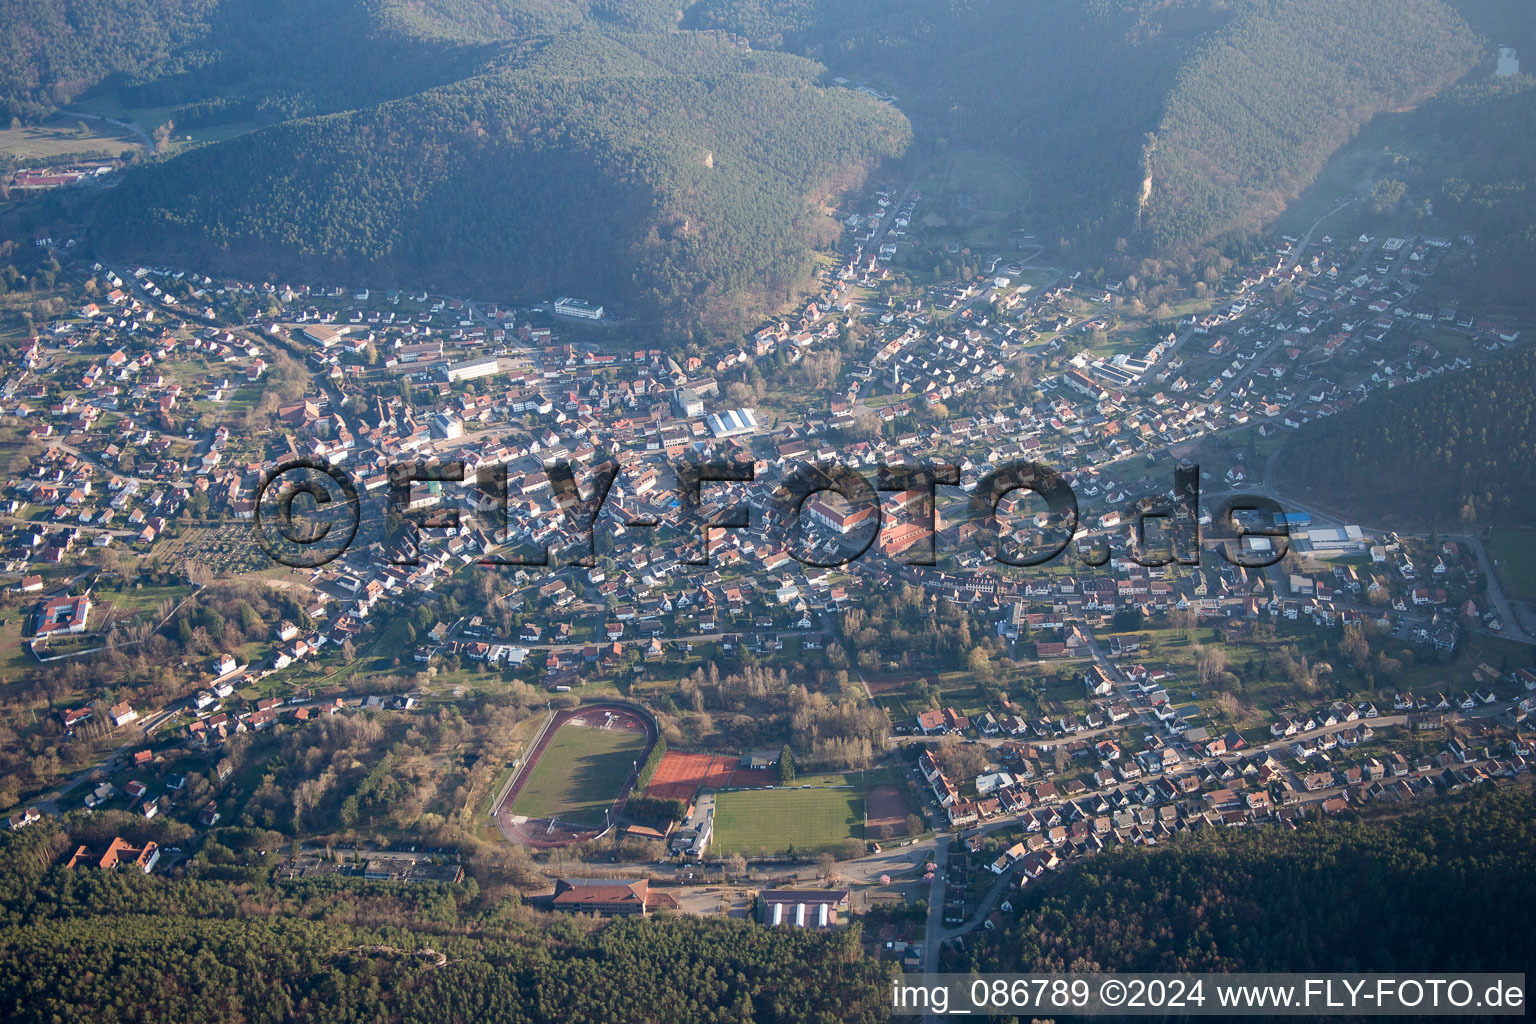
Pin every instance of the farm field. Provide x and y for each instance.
(812, 818)
(579, 774)
(64, 136)
(991, 183)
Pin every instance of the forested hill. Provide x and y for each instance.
(221, 61)
(1465, 160)
(1472, 158)
(51, 52)
(1256, 112)
(1231, 106)
(1450, 888)
(228, 944)
(523, 147)
(673, 176)
(266, 58)
(1456, 448)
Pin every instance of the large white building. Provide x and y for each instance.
(63, 615)
(473, 368)
(323, 335)
(446, 426)
(581, 308)
(1331, 540)
(732, 424)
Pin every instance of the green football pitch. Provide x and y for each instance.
(752, 820)
(579, 774)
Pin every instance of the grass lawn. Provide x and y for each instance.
(1515, 551)
(579, 774)
(15, 661)
(149, 118)
(774, 819)
(878, 402)
(128, 599)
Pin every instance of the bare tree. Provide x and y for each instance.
(1211, 662)
(162, 137)
(826, 865)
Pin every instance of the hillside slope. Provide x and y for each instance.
(50, 53)
(1256, 112)
(282, 57)
(1428, 453)
(673, 176)
(1232, 106)
(223, 942)
(602, 147)
(1465, 159)
(1442, 889)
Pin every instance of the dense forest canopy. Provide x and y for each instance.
(521, 148)
(1229, 106)
(1464, 160)
(531, 146)
(51, 52)
(1449, 888)
(277, 59)
(228, 943)
(672, 174)
(270, 54)
(1255, 113)
(1430, 452)
(1474, 163)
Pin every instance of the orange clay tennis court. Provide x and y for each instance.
(680, 776)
